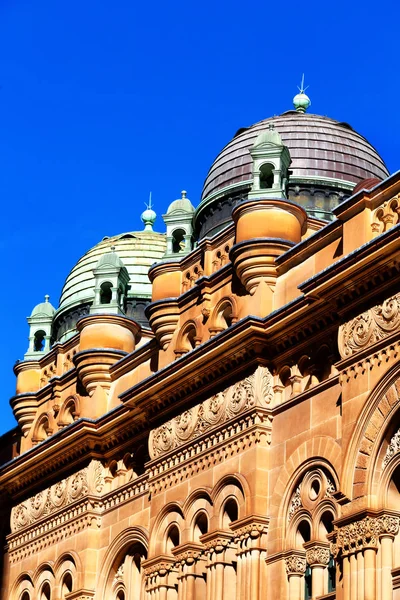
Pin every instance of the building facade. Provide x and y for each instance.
(213, 412)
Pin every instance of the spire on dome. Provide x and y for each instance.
(148, 216)
(301, 101)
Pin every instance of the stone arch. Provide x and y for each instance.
(69, 562)
(198, 503)
(23, 583)
(69, 411)
(170, 515)
(361, 471)
(230, 487)
(224, 314)
(188, 338)
(43, 428)
(321, 451)
(43, 577)
(115, 553)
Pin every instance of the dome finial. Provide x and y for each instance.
(148, 216)
(301, 101)
(46, 298)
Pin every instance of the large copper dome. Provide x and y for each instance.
(320, 147)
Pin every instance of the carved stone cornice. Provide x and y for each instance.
(295, 563)
(364, 533)
(370, 327)
(255, 390)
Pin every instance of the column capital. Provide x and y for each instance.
(161, 565)
(317, 553)
(189, 553)
(253, 526)
(216, 541)
(363, 532)
(295, 562)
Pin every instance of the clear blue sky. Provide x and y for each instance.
(101, 102)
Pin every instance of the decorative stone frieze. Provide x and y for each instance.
(295, 503)
(369, 327)
(362, 534)
(255, 390)
(392, 449)
(87, 481)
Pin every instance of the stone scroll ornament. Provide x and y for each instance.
(392, 449)
(371, 326)
(89, 480)
(256, 390)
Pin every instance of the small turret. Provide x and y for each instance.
(179, 222)
(40, 323)
(271, 160)
(111, 285)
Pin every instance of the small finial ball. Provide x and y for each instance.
(301, 102)
(148, 217)
(46, 298)
(184, 192)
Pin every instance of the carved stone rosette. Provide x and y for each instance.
(371, 326)
(363, 534)
(87, 481)
(255, 390)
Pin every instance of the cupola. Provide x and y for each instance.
(179, 222)
(271, 160)
(111, 285)
(40, 323)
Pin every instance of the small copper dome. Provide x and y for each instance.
(320, 148)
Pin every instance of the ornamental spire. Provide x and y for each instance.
(301, 101)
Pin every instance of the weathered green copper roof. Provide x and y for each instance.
(44, 309)
(138, 250)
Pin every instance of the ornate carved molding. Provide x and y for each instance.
(295, 503)
(363, 534)
(255, 390)
(87, 481)
(295, 564)
(392, 449)
(386, 216)
(371, 326)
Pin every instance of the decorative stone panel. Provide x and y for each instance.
(255, 390)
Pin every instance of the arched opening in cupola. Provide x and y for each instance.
(105, 293)
(266, 176)
(39, 341)
(178, 241)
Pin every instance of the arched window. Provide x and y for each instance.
(25, 596)
(39, 341)
(266, 176)
(46, 592)
(178, 241)
(105, 293)
(303, 534)
(172, 538)
(230, 513)
(200, 526)
(121, 595)
(67, 585)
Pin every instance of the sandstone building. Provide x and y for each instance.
(213, 412)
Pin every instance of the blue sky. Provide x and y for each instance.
(102, 102)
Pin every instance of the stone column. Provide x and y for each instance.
(317, 556)
(251, 541)
(221, 563)
(192, 577)
(388, 529)
(160, 578)
(295, 563)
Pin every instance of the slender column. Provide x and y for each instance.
(370, 573)
(217, 546)
(353, 577)
(191, 560)
(360, 574)
(317, 556)
(387, 564)
(251, 541)
(295, 564)
(346, 577)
